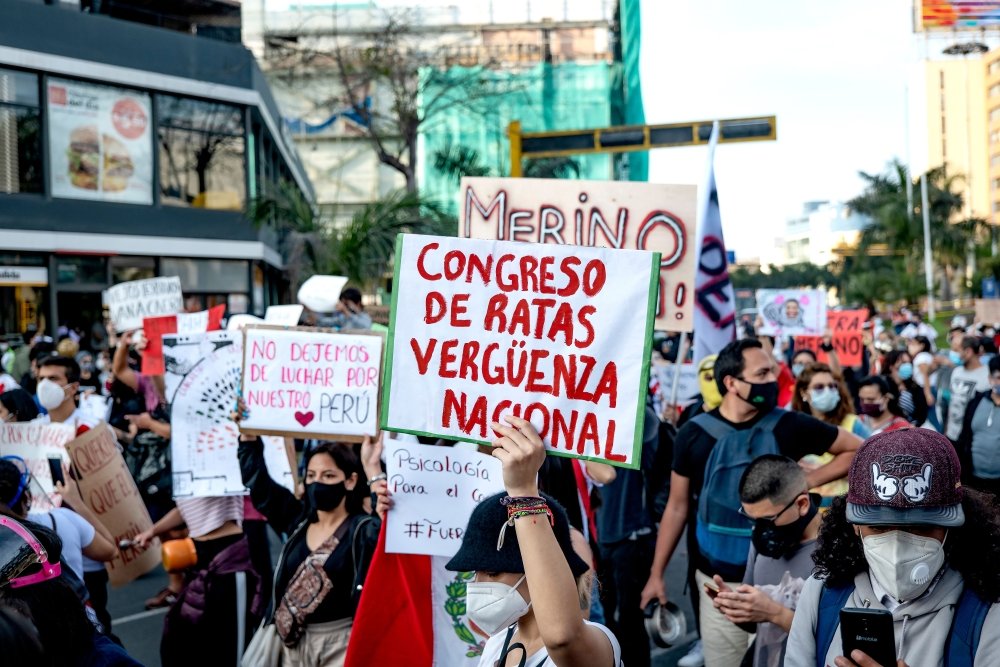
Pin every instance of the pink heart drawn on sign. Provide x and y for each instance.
(304, 417)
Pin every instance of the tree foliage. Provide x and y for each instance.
(801, 275)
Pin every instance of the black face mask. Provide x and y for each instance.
(763, 396)
(780, 541)
(325, 497)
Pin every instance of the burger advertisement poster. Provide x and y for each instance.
(100, 142)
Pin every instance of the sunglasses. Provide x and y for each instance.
(773, 517)
(20, 550)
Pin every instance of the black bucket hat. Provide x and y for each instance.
(479, 544)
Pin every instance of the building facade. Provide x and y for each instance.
(819, 234)
(130, 151)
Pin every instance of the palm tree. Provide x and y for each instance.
(363, 250)
(303, 241)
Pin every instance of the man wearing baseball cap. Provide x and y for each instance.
(909, 539)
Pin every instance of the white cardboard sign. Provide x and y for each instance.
(36, 442)
(129, 303)
(556, 334)
(608, 214)
(202, 379)
(791, 312)
(311, 383)
(434, 490)
(285, 316)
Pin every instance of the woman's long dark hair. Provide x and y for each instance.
(972, 549)
(19, 403)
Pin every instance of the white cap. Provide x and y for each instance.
(321, 294)
(237, 322)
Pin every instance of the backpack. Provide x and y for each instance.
(723, 533)
(963, 640)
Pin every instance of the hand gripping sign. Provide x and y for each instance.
(558, 335)
(608, 214)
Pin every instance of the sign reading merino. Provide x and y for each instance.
(558, 335)
(639, 216)
(129, 303)
(302, 381)
(434, 490)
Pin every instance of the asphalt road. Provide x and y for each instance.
(140, 630)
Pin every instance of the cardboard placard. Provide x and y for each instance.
(688, 388)
(110, 492)
(129, 303)
(988, 311)
(434, 490)
(790, 312)
(37, 442)
(311, 383)
(557, 334)
(202, 381)
(609, 214)
(846, 328)
(284, 316)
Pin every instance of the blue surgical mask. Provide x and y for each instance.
(905, 371)
(824, 400)
(797, 369)
(996, 390)
(955, 358)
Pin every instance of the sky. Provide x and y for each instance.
(834, 74)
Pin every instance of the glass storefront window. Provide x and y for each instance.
(20, 133)
(202, 153)
(125, 269)
(208, 275)
(81, 271)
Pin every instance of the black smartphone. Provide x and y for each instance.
(56, 468)
(868, 630)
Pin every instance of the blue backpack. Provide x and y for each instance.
(963, 640)
(723, 533)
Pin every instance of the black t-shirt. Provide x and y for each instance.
(797, 434)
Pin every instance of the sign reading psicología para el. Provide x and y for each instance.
(558, 335)
(306, 382)
(434, 490)
(609, 214)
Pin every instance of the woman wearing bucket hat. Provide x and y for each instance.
(907, 539)
(525, 591)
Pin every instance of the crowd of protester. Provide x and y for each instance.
(800, 487)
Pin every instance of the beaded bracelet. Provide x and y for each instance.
(514, 513)
(377, 478)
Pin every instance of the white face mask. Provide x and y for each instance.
(493, 606)
(903, 563)
(50, 394)
(101, 363)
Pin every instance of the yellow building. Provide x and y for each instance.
(963, 126)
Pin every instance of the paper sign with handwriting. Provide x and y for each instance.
(846, 332)
(36, 443)
(109, 490)
(311, 383)
(608, 214)
(129, 303)
(558, 335)
(434, 490)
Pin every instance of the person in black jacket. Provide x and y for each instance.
(979, 444)
(327, 532)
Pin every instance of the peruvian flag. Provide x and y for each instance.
(412, 612)
(183, 323)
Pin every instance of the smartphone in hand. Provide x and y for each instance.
(711, 591)
(56, 468)
(868, 630)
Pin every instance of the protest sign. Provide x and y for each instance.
(988, 311)
(791, 312)
(202, 379)
(284, 316)
(434, 490)
(184, 323)
(688, 388)
(109, 490)
(846, 329)
(311, 383)
(609, 214)
(129, 303)
(36, 443)
(559, 335)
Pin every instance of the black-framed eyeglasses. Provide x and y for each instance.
(774, 517)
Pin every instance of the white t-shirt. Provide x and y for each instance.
(918, 361)
(964, 385)
(494, 645)
(75, 532)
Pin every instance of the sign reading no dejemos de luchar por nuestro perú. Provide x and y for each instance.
(558, 335)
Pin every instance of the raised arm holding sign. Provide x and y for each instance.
(557, 334)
